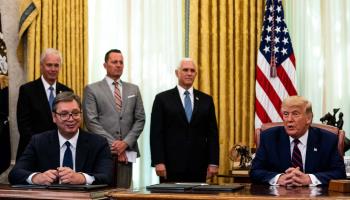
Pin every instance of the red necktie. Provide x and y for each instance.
(297, 161)
(118, 99)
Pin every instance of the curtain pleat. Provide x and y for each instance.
(223, 40)
(60, 24)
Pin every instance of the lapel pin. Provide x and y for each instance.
(315, 149)
(197, 98)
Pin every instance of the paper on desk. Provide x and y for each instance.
(131, 155)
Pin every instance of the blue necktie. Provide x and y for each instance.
(51, 97)
(188, 106)
(67, 158)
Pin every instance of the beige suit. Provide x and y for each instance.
(101, 117)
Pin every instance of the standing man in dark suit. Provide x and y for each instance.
(297, 154)
(114, 109)
(33, 106)
(184, 135)
(67, 155)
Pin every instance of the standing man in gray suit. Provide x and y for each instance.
(114, 109)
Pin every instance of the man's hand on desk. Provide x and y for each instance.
(294, 177)
(45, 178)
(68, 176)
(161, 170)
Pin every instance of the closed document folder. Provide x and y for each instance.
(61, 186)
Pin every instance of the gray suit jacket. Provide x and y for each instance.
(101, 116)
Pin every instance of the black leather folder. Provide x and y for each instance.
(169, 187)
(218, 188)
(61, 187)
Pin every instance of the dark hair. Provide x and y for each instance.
(111, 51)
(65, 97)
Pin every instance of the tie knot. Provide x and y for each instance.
(115, 83)
(67, 144)
(51, 88)
(296, 141)
(186, 92)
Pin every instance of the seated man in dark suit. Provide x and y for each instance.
(67, 155)
(311, 160)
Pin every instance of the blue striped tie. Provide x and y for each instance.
(51, 97)
(188, 106)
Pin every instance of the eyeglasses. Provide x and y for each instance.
(66, 115)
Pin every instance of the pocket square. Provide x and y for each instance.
(131, 96)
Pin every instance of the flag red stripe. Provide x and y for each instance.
(282, 74)
(268, 88)
(261, 113)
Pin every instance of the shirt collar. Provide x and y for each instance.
(302, 139)
(110, 81)
(46, 84)
(73, 141)
(182, 90)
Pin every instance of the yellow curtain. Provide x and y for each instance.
(223, 38)
(60, 24)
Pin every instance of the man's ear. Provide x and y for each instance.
(176, 73)
(53, 117)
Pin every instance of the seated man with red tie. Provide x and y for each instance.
(67, 155)
(297, 154)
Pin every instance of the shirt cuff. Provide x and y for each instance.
(314, 180)
(212, 165)
(274, 180)
(29, 179)
(88, 179)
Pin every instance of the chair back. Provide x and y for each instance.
(332, 129)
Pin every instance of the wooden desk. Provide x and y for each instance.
(6, 192)
(250, 192)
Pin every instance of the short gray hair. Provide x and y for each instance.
(187, 59)
(65, 97)
(50, 51)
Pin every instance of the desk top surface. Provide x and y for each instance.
(7, 192)
(249, 192)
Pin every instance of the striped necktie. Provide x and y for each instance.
(297, 161)
(51, 96)
(117, 96)
(188, 106)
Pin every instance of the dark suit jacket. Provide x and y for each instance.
(33, 111)
(183, 146)
(93, 157)
(274, 156)
(5, 144)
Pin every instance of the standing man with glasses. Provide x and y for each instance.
(297, 154)
(36, 97)
(184, 134)
(114, 109)
(66, 155)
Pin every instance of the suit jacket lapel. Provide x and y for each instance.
(54, 153)
(105, 87)
(196, 101)
(125, 93)
(283, 150)
(312, 151)
(41, 94)
(82, 151)
(178, 103)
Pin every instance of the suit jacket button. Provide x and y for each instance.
(120, 118)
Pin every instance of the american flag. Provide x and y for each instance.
(3, 52)
(275, 70)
